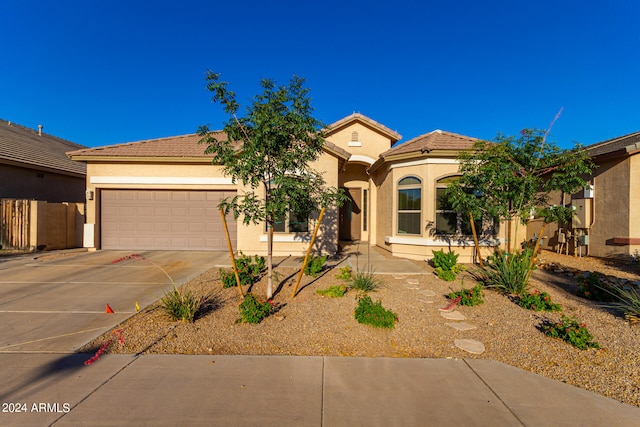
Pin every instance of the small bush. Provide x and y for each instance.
(629, 301)
(314, 266)
(336, 291)
(345, 273)
(446, 265)
(469, 297)
(365, 282)
(372, 313)
(591, 287)
(538, 301)
(254, 310)
(179, 305)
(507, 273)
(249, 270)
(571, 331)
(446, 275)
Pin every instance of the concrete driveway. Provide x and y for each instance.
(56, 302)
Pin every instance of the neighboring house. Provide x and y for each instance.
(164, 194)
(606, 222)
(34, 165)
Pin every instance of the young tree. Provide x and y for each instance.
(270, 148)
(513, 176)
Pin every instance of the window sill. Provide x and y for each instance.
(440, 241)
(287, 237)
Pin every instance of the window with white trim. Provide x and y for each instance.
(448, 220)
(291, 223)
(410, 206)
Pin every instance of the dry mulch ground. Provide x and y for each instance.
(311, 324)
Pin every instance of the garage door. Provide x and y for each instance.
(164, 220)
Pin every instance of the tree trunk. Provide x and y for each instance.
(270, 262)
(475, 239)
(535, 251)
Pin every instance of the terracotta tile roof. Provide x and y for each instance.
(174, 146)
(615, 144)
(19, 144)
(393, 135)
(183, 146)
(436, 140)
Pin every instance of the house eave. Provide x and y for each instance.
(136, 159)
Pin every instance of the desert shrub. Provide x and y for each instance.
(538, 301)
(335, 291)
(365, 281)
(314, 266)
(628, 299)
(591, 287)
(345, 273)
(254, 310)
(507, 273)
(446, 265)
(571, 331)
(469, 297)
(374, 314)
(181, 305)
(249, 270)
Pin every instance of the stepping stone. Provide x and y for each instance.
(453, 315)
(470, 346)
(414, 287)
(413, 281)
(425, 301)
(427, 293)
(395, 276)
(461, 326)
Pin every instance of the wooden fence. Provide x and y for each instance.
(16, 224)
(36, 224)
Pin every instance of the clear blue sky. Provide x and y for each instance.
(105, 72)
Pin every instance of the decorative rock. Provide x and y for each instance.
(425, 301)
(413, 281)
(414, 287)
(396, 276)
(427, 293)
(461, 326)
(470, 346)
(453, 315)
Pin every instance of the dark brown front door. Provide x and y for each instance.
(350, 215)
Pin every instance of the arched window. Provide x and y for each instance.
(410, 206)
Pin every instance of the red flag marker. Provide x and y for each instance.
(109, 310)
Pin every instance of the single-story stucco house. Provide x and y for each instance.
(164, 194)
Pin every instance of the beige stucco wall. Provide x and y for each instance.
(634, 203)
(56, 225)
(252, 239)
(370, 141)
(611, 208)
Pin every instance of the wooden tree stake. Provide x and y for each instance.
(233, 259)
(475, 239)
(306, 257)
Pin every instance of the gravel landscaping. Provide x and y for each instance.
(311, 324)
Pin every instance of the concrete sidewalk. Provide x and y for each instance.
(170, 390)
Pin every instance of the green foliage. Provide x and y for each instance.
(314, 266)
(254, 310)
(446, 265)
(470, 297)
(249, 270)
(365, 281)
(515, 174)
(629, 302)
(571, 331)
(268, 152)
(591, 287)
(372, 313)
(345, 273)
(181, 305)
(538, 301)
(507, 273)
(335, 291)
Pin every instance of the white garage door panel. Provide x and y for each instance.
(155, 220)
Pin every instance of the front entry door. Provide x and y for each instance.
(350, 215)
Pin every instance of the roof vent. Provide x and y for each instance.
(40, 130)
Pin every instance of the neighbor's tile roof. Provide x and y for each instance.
(19, 144)
(395, 136)
(186, 146)
(615, 144)
(436, 140)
